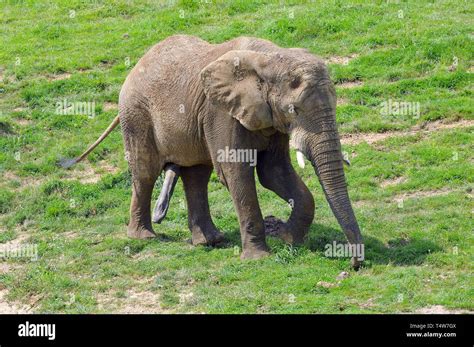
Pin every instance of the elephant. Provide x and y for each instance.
(187, 100)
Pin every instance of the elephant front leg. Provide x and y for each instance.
(203, 230)
(240, 180)
(276, 173)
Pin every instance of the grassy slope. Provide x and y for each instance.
(80, 228)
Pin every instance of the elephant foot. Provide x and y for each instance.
(212, 237)
(255, 252)
(277, 228)
(356, 263)
(140, 233)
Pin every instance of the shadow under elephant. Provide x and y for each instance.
(397, 251)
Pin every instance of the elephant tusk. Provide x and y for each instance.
(300, 159)
(346, 161)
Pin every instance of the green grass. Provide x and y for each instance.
(418, 254)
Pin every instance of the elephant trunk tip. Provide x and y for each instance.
(158, 217)
(66, 163)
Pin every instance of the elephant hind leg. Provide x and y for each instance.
(139, 226)
(145, 165)
(203, 230)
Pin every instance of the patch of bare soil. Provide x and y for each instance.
(135, 302)
(59, 77)
(367, 304)
(4, 268)
(423, 194)
(13, 244)
(341, 60)
(393, 181)
(8, 176)
(22, 122)
(354, 139)
(412, 195)
(109, 106)
(143, 255)
(439, 309)
(349, 84)
(325, 284)
(8, 307)
(90, 174)
(342, 101)
(69, 235)
(10, 78)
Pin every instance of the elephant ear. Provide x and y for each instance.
(233, 82)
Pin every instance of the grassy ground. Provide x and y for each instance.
(412, 190)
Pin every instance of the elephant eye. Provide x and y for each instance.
(295, 83)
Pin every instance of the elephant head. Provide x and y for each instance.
(289, 91)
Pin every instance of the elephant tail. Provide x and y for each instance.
(67, 163)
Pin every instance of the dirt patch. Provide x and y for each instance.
(134, 302)
(70, 235)
(412, 195)
(146, 254)
(3, 78)
(441, 125)
(13, 244)
(7, 307)
(439, 309)
(325, 284)
(90, 174)
(367, 304)
(8, 176)
(4, 268)
(354, 139)
(186, 297)
(341, 60)
(22, 122)
(349, 84)
(59, 77)
(393, 181)
(342, 101)
(423, 194)
(109, 106)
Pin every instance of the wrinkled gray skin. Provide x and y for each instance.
(186, 99)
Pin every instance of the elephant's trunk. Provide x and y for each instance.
(323, 149)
